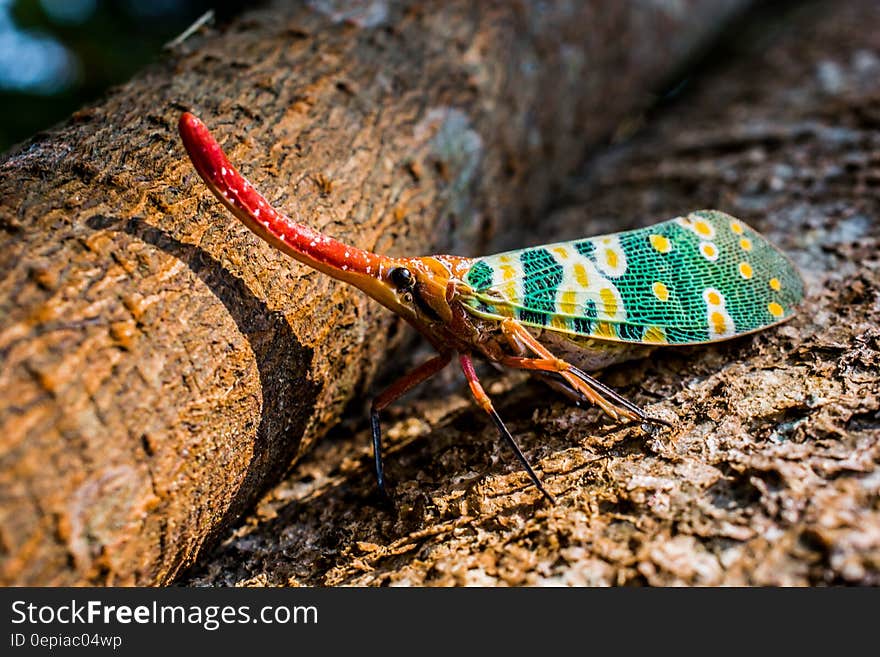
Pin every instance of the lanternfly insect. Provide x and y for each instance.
(558, 310)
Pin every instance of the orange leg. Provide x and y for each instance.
(482, 399)
(592, 389)
(396, 390)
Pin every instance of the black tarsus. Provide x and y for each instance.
(400, 387)
(609, 394)
(502, 429)
(377, 452)
(505, 433)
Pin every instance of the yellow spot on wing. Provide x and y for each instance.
(559, 322)
(605, 330)
(580, 275)
(611, 258)
(508, 272)
(775, 309)
(775, 284)
(708, 250)
(660, 243)
(745, 244)
(703, 228)
(561, 251)
(719, 323)
(713, 298)
(567, 303)
(736, 227)
(745, 270)
(654, 334)
(609, 301)
(660, 291)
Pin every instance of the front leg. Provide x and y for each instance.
(393, 392)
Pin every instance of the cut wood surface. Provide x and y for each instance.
(771, 474)
(159, 366)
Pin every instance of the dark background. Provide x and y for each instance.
(58, 55)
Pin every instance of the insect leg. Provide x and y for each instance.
(554, 380)
(616, 398)
(563, 369)
(467, 366)
(613, 404)
(396, 390)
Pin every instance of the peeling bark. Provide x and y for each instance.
(771, 475)
(159, 367)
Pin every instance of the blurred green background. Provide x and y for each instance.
(57, 55)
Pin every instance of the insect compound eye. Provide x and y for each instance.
(402, 278)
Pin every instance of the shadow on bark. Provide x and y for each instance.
(277, 351)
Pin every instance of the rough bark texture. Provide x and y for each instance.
(158, 365)
(772, 472)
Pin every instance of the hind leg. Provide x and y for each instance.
(592, 390)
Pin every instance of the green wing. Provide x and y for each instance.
(693, 279)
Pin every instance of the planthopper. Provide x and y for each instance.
(559, 310)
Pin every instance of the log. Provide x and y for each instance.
(771, 475)
(159, 366)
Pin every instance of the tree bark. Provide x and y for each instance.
(159, 366)
(771, 474)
